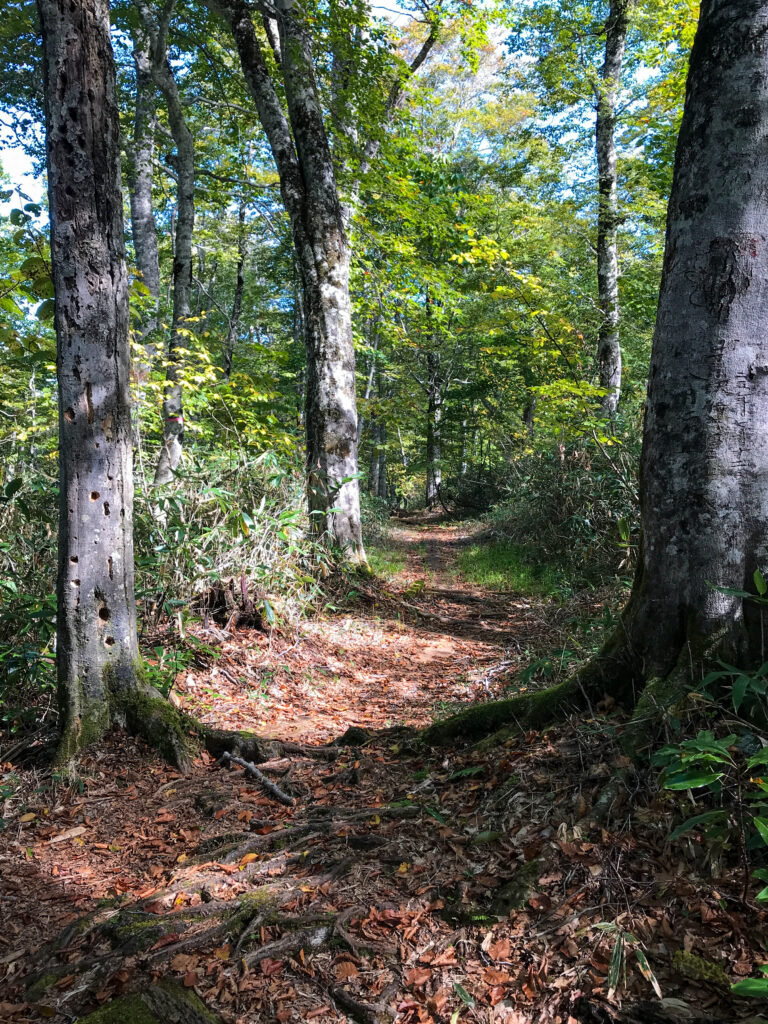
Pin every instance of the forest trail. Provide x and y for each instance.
(405, 885)
(422, 645)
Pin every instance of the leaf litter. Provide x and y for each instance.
(404, 884)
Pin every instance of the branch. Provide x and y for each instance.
(267, 785)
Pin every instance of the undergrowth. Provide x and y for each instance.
(503, 565)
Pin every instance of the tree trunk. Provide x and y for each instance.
(434, 429)
(162, 74)
(704, 488)
(140, 179)
(608, 346)
(97, 648)
(704, 494)
(381, 477)
(300, 148)
(237, 301)
(373, 466)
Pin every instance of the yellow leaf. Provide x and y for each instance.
(222, 953)
(403, 869)
(28, 817)
(249, 858)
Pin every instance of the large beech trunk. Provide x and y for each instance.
(96, 621)
(704, 474)
(608, 346)
(705, 449)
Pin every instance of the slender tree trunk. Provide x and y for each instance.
(434, 429)
(162, 74)
(381, 479)
(608, 345)
(300, 148)
(97, 649)
(237, 301)
(373, 466)
(140, 180)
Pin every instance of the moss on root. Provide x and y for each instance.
(166, 1001)
(129, 1009)
(158, 722)
(526, 711)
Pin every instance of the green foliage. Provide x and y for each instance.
(501, 565)
(727, 771)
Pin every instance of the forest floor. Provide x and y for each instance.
(469, 884)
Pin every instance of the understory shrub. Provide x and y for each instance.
(573, 508)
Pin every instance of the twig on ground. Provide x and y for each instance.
(251, 770)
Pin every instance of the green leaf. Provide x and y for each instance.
(692, 780)
(757, 987)
(45, 310)
(761, 824)
(760, 584)
(739, 691)
(466, 998)
(697, 821)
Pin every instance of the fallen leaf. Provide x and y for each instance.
(71, 833)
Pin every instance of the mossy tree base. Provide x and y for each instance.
(607, 673)
(611, 673)
(143, 712)
(167, 1002)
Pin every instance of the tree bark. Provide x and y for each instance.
(300, 148)
(608, 346)
(434, 429)
(162, 74)
(140, 180)
(97, 649)
(237, 301)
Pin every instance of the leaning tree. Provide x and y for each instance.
(704, 473)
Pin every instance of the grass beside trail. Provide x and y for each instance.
(385, 561)
(501, 565)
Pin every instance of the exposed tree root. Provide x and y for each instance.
(363, 1013)
(608, 673)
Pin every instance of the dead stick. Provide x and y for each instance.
(250, 769)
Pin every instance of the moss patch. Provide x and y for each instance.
(516, 893)
(125, 1010)
(696, 968)
(526, 711)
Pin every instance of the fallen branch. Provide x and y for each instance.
(270, 788)
(363, 1013)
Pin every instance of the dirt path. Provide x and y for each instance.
(403, 886)
(424, 648)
